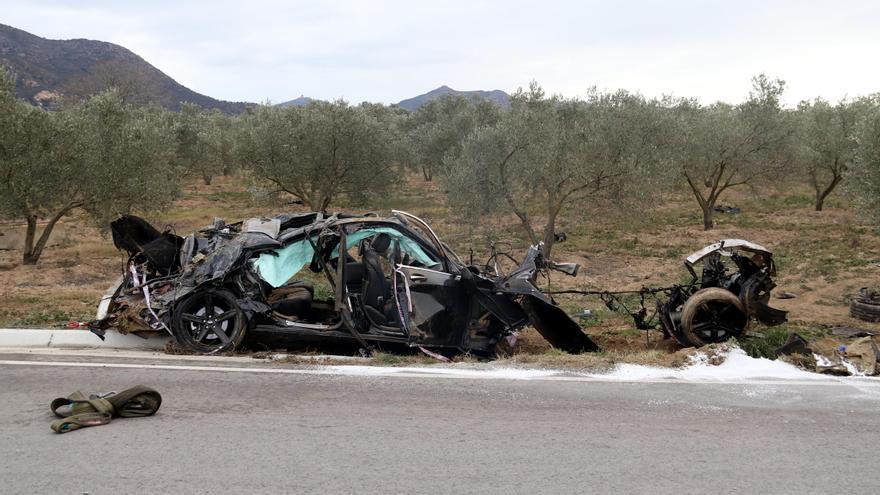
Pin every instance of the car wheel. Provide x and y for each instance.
(864, 310)
(712, 315)
(209, 321)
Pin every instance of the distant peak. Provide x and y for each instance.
(496, 96)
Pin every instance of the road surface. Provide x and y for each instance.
(245, 431)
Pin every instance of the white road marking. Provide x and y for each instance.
(471, 374)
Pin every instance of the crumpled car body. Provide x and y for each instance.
(732, 288)
(308, 277)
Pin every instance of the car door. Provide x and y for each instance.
(433, 308)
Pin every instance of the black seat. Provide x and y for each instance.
(354, 277)
(293, 298)
(376, 289)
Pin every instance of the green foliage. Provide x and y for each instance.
(542, 158)
(767, 340)
(122, 162)
(765, 346)
(864, 180)
(828, 142)
(99, 155)
(439, 127)
(721, 146)
(204, 141)
(319, 151)
(548, 153)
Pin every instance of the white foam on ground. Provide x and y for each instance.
(496, 373)
(737, 366)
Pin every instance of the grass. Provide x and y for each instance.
(35, 318)
(767, 340)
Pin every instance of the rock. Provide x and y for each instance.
(785, 295)
(864, 355)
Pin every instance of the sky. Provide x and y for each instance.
(385, 51)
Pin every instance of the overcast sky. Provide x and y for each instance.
(389, 50)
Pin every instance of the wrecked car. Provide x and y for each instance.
(732, 287)
(308, 277)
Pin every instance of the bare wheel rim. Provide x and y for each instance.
(715, 321)
(209, 321)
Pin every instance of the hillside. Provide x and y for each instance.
(496, 96)
(50, 69)
(296, 102)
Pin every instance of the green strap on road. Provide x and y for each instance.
(94, 411)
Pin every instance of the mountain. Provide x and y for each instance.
(47, 70)
(297, 102)
(496, 96)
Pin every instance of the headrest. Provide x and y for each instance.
(381, 243)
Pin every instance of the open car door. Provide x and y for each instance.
(432, 306)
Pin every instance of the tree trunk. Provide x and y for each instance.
(207, 179)
(325, 203)
(427, 174)
(822, 194)
(527, 226)
(708, 216)
(550, 233)
(32, 252)
(30, 233)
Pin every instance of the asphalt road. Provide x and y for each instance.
(248, 432)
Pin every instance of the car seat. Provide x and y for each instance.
(376, 289)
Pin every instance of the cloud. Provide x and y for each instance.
(389, 50)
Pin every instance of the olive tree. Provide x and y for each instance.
(828, 134)
(721, 146)
(864, 176)
(30, 173)
(221, 137)
(396, 123)
(195, 137)
(547, 154)
(100, 156)
(319, 151)
(439, 127)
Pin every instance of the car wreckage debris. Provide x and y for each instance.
(385, 281)
(716, 305)
(393, 281)
(861, 356)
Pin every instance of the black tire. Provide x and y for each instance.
(712, 315)
(201, 333)
(864, 311)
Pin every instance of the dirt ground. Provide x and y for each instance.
(822, 257)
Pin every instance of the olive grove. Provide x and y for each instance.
(549, 153)
(101, 156)
(319, 151)
(537, 161)
(722, 146)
